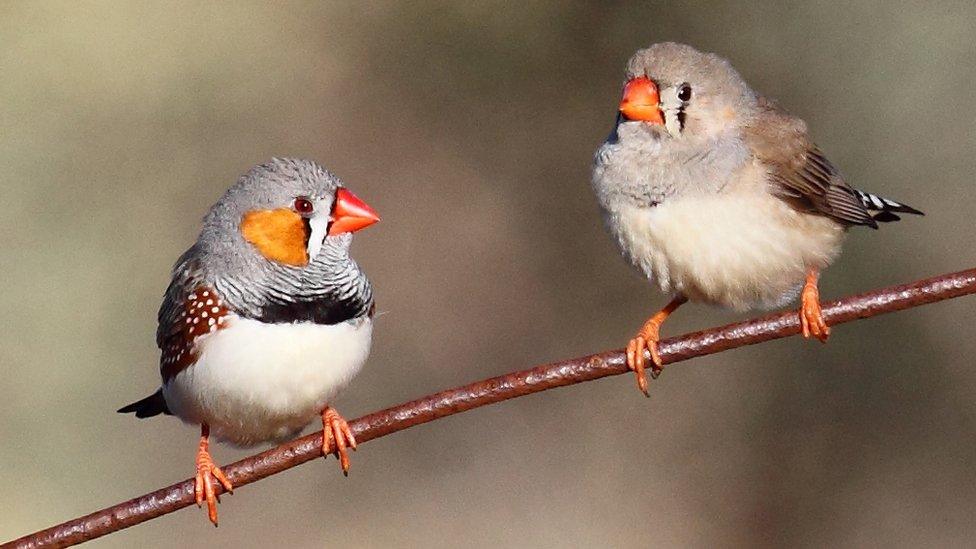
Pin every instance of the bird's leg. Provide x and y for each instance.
(336, 431)
(647, 338)
(203, 486)
(811, 317)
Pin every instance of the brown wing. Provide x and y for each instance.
(190, 309)
(201, 312)
(801, 174)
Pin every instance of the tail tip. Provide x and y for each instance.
(152, 405)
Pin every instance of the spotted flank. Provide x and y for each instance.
(203, 312)
(883, 209)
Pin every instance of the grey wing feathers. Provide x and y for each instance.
(800, 172)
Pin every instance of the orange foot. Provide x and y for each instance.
(337, 434)
(204, 487)
(811, 316)
(647, 338)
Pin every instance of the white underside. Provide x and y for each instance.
(741, 250)
(255, 382)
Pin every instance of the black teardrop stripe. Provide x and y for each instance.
(324, 310)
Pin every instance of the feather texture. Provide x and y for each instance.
(799, 171)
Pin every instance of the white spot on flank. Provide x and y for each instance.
(215, 310)
(204, 314)
(209, 302)
(195, 320)
(211, 322)
(205, 294)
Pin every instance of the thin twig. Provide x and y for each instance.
(453, 401)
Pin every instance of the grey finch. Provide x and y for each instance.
(718, 195)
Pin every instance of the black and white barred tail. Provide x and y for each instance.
(883, 209)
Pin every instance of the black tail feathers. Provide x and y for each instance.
(883, 209)
(152, 405)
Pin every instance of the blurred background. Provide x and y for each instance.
(470, 128)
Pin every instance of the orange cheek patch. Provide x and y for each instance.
(280, 235)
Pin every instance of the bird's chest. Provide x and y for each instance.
(650, 172)
(255, 381)
(734, 249)
(634, 173)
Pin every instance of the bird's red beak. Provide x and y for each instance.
(349, 214)
(641, 101)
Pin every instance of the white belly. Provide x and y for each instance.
(737, 250)
(256, 382)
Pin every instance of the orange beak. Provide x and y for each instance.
(350, 214)
(641, 101)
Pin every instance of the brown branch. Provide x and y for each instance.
(453, 401)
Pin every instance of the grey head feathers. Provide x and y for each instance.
(275, 184)
(714, 89)
(704, 103)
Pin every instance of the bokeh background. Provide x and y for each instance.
(470, 128)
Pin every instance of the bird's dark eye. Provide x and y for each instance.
(684, 92)
(303, 205)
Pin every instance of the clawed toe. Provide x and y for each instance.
(204, 488)
(337, 435)
(648, 338)
(812, 321)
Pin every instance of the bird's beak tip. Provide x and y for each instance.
(350, 213)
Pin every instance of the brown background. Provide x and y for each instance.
(471, 129)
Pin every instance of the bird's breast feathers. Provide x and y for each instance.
(740, 248)
(254, 381)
